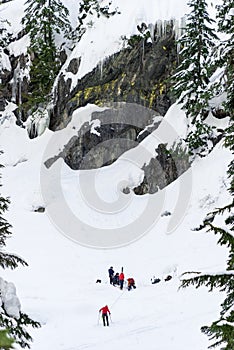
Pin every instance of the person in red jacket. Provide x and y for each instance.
(105, 310)
(121, 280)
(131, 283)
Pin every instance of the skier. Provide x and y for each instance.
(121, 280)
(105, 310)
(116, 279)
(111, 274)
(131, 283)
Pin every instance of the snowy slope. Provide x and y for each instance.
(88, 209)
(59, 287)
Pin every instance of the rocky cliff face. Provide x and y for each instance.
(164, 168)
(137, 74)
(133, 83)
(114, 131)
(109, 134)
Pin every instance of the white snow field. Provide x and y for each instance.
(90, 225)
(58, 288)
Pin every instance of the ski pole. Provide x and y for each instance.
(98, 318)
(111, 318)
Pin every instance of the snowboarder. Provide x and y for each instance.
(116, 279)
(131, 283)
(111, 274)
(121, 280)
(105, 311)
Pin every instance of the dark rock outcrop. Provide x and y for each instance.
(62, 93)
(39, 210)
(73, 65)
(137, 74)
(120, 129)
(166, 167)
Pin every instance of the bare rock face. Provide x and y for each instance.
(62, 91)
(119, 129)
(137, 74)
(62, 95)
(162, 170)
(73, 65)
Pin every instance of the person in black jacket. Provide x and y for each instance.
(111, 274)
(116, 279)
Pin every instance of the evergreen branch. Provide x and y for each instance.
(221, 281)
(226, 238)
(17, 328)
(11, 261)
(222, 334)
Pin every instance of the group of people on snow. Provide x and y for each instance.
(117, 279)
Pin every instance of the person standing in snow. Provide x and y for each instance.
(121, 280)
(111, 274)
(105, 311)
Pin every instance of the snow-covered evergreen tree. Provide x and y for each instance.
(195, 69)
(222, 330)
(11, 317)
(90, 7)
(225, 52)
(5, 36)
(44, 18)
(199, 139)
(221, 221)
